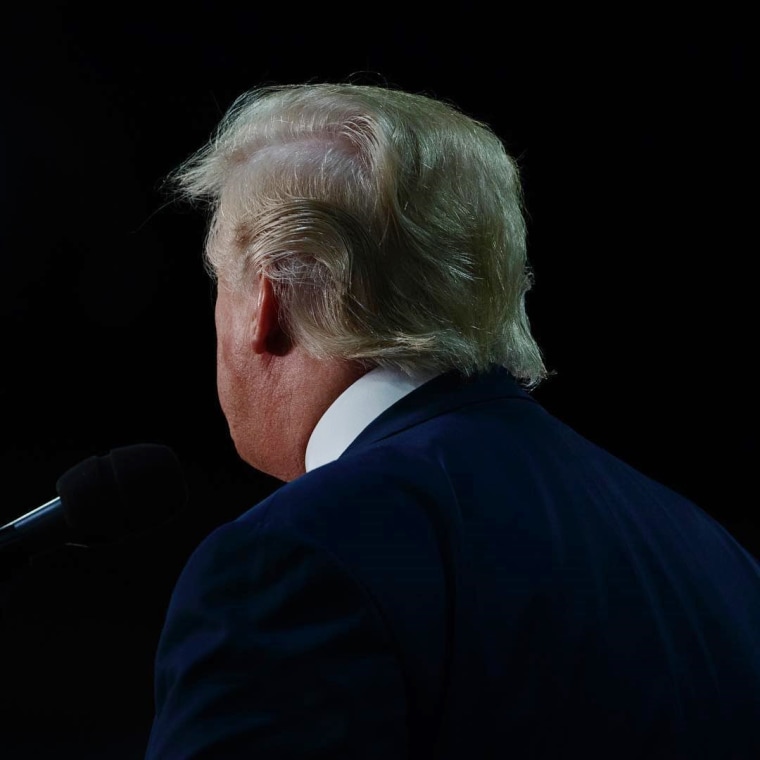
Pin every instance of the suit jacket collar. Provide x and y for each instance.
(445, 393)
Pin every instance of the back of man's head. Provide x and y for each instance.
(390, 225)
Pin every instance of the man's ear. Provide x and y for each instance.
(268, 336)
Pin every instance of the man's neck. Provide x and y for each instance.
(306, 388)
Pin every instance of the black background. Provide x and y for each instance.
(633, 136)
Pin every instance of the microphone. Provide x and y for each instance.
(100, 500)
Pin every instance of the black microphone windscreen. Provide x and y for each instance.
(126, 491)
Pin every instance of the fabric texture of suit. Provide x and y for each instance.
(470, 579)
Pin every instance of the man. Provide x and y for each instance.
(449, 571)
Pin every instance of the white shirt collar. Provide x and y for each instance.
(355, 408)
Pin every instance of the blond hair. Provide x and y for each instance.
(390, 225)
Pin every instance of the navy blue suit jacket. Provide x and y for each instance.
(470, 579)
